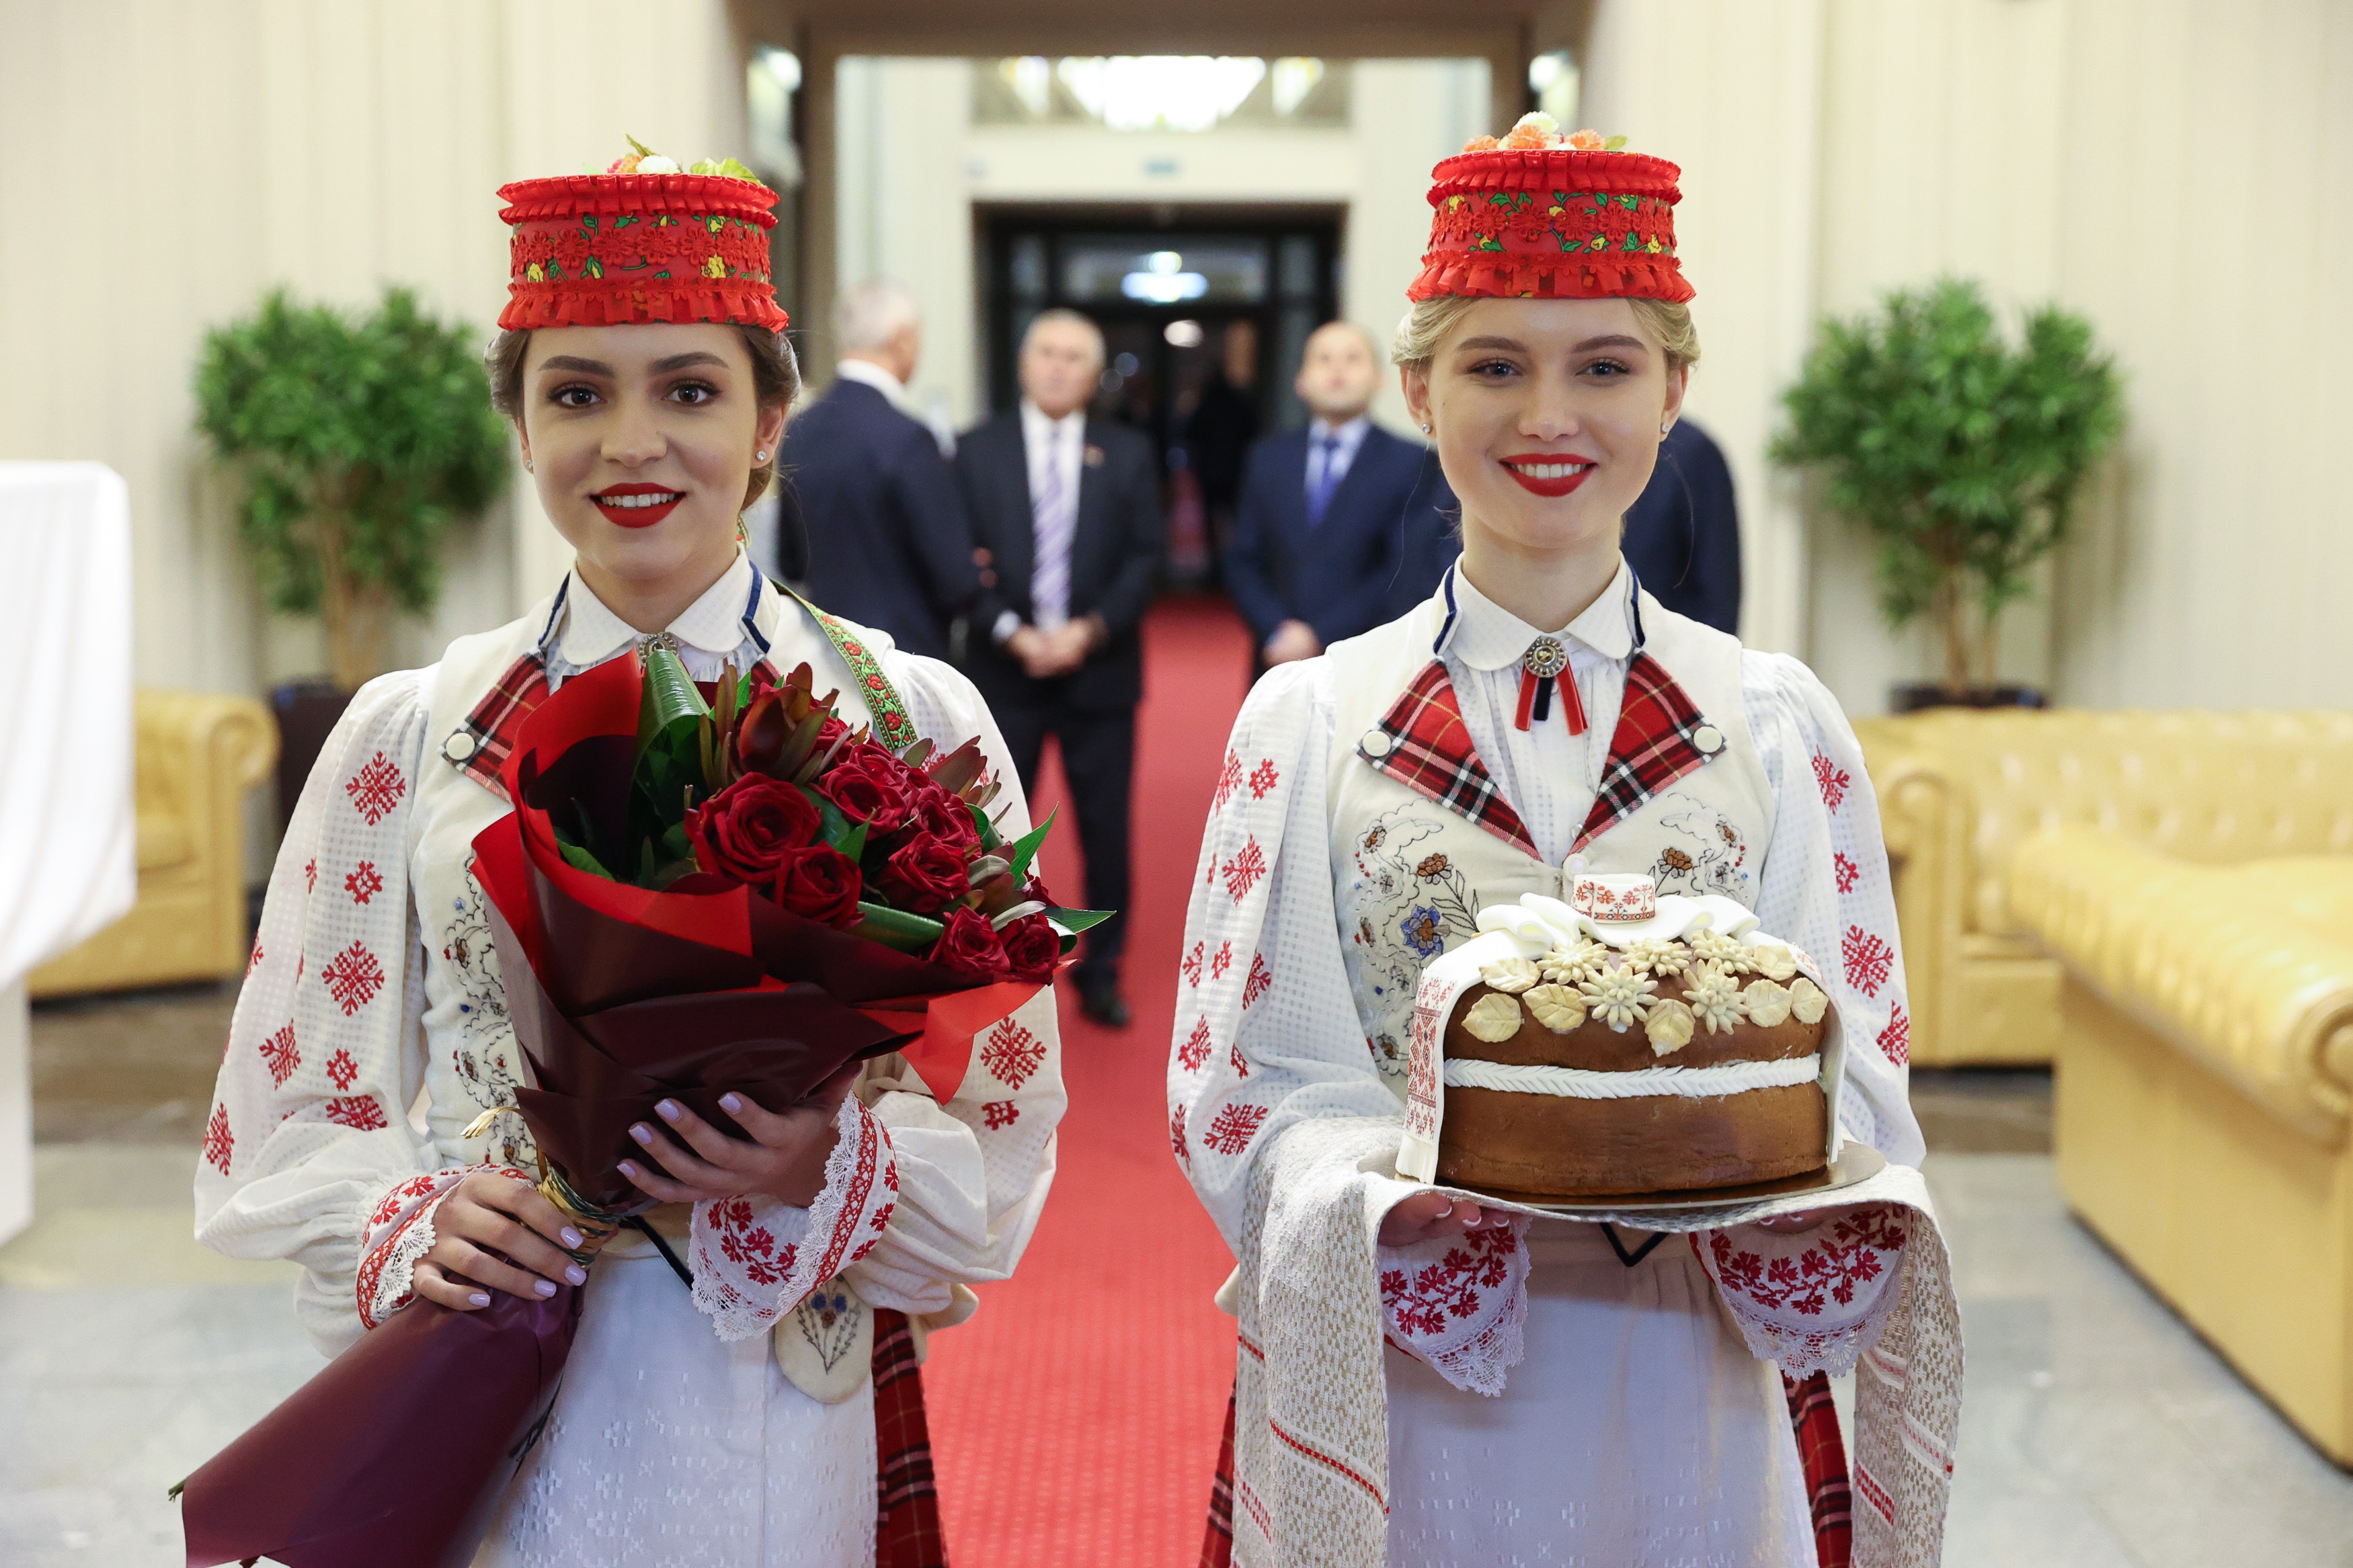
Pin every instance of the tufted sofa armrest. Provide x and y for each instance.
(2242, 967)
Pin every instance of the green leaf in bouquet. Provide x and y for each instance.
(896, 928)
(991, 841)
(1025, 848)
(1071, 923)
(670, 705)
(580, 859)
(835, 829)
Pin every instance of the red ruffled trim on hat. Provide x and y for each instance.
(610, 195)
(1490, 275)
(611, 302)
(1514, 170)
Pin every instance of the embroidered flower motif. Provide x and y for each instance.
(353, 977)
(1013, 1052)
(1196, 1049)
(1617, 997)
(1834, 781)
(1670, 1026)
(1191, 967)
(1373, 839)
(1869, 960)
(1654, 956)
(1577, 963)
(1895, 1040)
(1222, 961)
(363, 883)
(1422, 1301)
(1244, 871)
(1557, 1008)
(343, 1069)
(1846, 872)
(219, 1142)
(1263, 778)
(281, 1056)
(375, 789)
(1259, 981)
(1423, 932)
(1511, 975)
(1431, 866)
(1229, 779)
(1714, 997)
(1233, 1128)
(998, 1113)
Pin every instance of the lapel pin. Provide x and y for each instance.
(1094, 457)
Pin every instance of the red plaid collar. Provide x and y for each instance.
(480, 747)
(1422, 743)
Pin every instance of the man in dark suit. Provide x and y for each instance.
(1321, 536)
(1682, 534)
(1066, 511)
(865, 491)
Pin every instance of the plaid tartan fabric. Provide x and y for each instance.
(907, 1532)
(495, 718)
(1218, 1540)
(1430, 753)
(1824, 1453)
(1652, 749)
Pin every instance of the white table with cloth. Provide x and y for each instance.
(67, 855)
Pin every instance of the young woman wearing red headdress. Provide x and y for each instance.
(1423, 1379)
(645, 369)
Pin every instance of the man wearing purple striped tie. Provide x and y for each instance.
(1066, 517)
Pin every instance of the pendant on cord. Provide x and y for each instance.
(1543, 665)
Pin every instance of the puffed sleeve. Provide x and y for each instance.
(1825, 886)
(308, 1135)
(920, 1196)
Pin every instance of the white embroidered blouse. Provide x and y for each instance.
(372, 1028)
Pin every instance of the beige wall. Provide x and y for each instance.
(2179, 171)
(169, 160)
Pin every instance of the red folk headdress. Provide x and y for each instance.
(644, 241)
(1538, 215)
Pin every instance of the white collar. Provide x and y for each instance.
(1038, 424)
(867, 372)
(1350, 434)
(1485, 636)
(585, 632)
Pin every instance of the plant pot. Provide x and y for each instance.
(1912, 695)
(307, 711)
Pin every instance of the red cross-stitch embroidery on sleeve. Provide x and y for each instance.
(375, 790)
(1828, 1270)
(1834, 781)
(363, 883)
(1233, 1127)
(1192, 964)
(1896, 1039)
(1013, 1052)
(1420, 1300)
(1241, 1068)
(1868, 959)
(1263, 778)
(1229, 779)
(1176, 1134)
(310, 876)
(353, 977)
(998, 1113)
(1260, 981)
(1243, 872)
(279, 1054)
(253, 963)
(218, 1140)
(1845, 870)
(1196, 1049)
(343, 1069)
(360, 1112)
(1222, 961)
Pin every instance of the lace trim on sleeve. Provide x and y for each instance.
(1460, 1303)
(757, 1258)
(1813, 1301)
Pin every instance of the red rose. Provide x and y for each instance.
(926, 875)
(944, 817)
(970, 947)
(1032, 947)
(820, 884)
(747, 831)
(865, 792)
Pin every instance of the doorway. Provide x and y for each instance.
(1205, 313)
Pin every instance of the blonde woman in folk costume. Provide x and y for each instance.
(1421, 1379)
(649, 387)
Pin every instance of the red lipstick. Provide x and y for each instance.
(1548, 474)
(637, 506)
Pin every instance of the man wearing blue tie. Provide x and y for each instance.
(1331, 515)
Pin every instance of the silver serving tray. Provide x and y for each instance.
(1856, 1163)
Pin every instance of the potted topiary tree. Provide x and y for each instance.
(360, 441)
(1958, 453)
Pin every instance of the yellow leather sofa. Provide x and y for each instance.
(197, 755)
(2204, 1076)
(1959, 790)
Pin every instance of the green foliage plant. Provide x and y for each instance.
(1961, 454)
(361, 440)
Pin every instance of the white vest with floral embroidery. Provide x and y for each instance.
(1411, 873)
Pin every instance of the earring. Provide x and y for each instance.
(526, 464)
(1425, 427)
(1664, 428)
(762, 455)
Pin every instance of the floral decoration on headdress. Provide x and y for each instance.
(644, 241)
(1538, 214)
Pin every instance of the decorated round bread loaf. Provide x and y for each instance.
(1665, 1065)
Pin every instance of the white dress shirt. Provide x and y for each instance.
(1055, 449)
(1346, 439)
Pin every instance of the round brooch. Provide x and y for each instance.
(1545, 658)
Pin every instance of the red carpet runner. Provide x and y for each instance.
(1075, 1419)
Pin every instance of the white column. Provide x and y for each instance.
(15, 1111)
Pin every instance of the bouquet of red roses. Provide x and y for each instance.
(701, 890)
